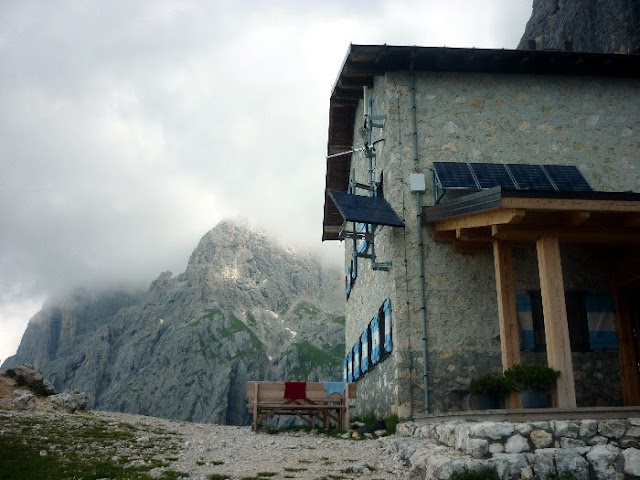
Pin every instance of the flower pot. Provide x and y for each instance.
(534, 398)
(487, 401)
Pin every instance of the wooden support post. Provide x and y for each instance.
(555, 318)
(509, 328)
(255, 407)
(347, 401)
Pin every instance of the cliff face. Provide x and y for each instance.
(245, 308)
(604, 26)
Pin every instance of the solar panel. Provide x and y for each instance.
(530, 177)
(454, 175)
(515, 176)
(361, 209)
(567, 178)
(491, 175)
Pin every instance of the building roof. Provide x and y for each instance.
(474, 221)
(363, 62)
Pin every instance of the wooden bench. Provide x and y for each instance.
(311, 401)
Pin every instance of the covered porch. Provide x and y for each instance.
(496, 219)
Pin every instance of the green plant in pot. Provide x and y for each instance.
(534, 382)
(487, 390)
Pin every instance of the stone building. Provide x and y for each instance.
(489, 201)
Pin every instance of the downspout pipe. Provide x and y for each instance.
(419, 241)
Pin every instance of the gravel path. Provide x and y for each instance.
(239, 453)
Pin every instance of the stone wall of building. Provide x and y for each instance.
(596, 374)
(587, 122)
(378, 389)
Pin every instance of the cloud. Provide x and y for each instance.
(129, 129)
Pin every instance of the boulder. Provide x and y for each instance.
(517, 444)
(632, 461)
(573, 462)
(69, 401)
(29, 376)
(603, 459)
(23, 400)
(612, 428)
(494, 431)
(541, 439)
(542, 462)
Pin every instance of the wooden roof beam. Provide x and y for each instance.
(506, 216)
(577, 218)
(632, 220)
(586, 235)
(568, 204)
(446, 236)
(474, 235)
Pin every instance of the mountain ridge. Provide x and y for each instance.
(244, 308)
(602, 26)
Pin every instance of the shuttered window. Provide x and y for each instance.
(590, 320)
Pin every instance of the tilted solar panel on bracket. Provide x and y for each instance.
(491, 175)
(567, 178)
(530, 177)
(361, 209)
(454, 175)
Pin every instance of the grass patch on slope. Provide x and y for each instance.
(312, 357)
(59, 447)
(306, 308)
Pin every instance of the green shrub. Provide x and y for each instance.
(481, 473)
(391, 423)
(530, 376)
(489, 383)
(218, 476)
(560, 476)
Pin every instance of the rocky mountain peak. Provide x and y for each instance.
(245, 265)
(246, 307)
(603, 26)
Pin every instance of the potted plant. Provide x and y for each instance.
(534, 382)
(487, 390)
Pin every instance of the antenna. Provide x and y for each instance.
(366, 236)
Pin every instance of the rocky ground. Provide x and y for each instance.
(163, 449)
(201, 451)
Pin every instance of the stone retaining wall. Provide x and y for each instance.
(590, 449)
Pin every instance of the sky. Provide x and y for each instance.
(130, 129)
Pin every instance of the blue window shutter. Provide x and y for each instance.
(375, 340)
(350, 367)
(348, 282)
(356, 361)
(364, 343)
(362, 244)
(344, 370)
(601, 321)
(388, 340)
(524, 309)
(354, 268)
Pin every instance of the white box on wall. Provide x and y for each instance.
(418, 182)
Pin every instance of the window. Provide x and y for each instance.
(366, 351)
(374, 327)
(386, 340)
(356, 361)
(373, 345)
(590, 320)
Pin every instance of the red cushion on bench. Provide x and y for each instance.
(295, 390)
